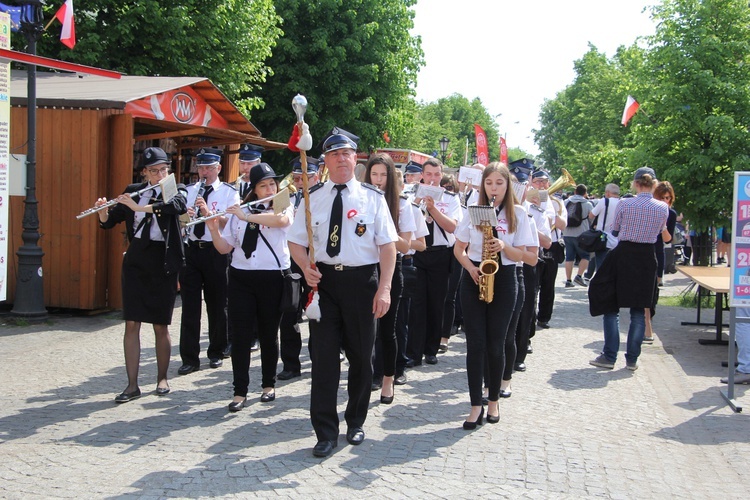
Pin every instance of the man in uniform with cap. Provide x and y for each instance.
(289, 332)
(549, 264)
(412, 175)
(206, 269)
(353, 239)
(249, 157)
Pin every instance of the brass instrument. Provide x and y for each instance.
(485, 219)
(288, 183)
(565, 180)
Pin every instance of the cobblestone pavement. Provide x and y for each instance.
(569, 431)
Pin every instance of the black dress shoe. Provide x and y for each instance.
(267, 397)
(185, 369)
(128, 396)
(491, 419)
(236, 406)
(227, 353)
(413, 362)
(288, 375)
(355, 435)
(443, 349)
(529, 350)
(215, 362)
(400, 380)
(542, 324)
(324, 448)
(162, 391)
(505, 393)
(386, 400)
(520, 367)
(430, 360)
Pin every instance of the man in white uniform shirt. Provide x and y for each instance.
(353, 234)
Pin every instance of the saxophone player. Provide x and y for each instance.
(486, 323)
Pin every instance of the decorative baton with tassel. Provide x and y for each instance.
(304, 144)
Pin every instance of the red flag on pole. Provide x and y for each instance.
(483, 154)
(65, 15)
(631, 107)
(503, 151)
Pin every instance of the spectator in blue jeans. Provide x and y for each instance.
(578, 222)
(627, 277)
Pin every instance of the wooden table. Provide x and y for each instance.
(709, 279)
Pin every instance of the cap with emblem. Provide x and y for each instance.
(521, 169)
(540, 174)
(312, 166)
(250, 152)
(643, 171)
(413, 168)
(208, 156)
(261, 172)
(339, 138)
(154, 156)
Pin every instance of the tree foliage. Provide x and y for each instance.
(354, 61)
(227, 41)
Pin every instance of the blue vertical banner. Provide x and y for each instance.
(740, 272)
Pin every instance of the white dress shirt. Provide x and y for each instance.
(222, 197)
(262, 258)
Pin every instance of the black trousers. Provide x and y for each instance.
(290, 336)
(386, 343)
(451, 304)
(510, 340)
(254, 298)
(346, 320)
(205, 273)
(428, 301)
(404, 307)
(547, 278)
(486, 326)
(526, 323)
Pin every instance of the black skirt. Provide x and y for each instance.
(148, 293)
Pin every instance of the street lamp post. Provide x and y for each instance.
(29, 299)
(474, 158)
(443, 147)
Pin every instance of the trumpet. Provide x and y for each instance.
(282, 195)
(110, 203)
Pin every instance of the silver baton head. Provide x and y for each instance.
(299, 105)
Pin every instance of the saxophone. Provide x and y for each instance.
(489, 265)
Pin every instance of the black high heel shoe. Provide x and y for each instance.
(493, 419)
(470, 426)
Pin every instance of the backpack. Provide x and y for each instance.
(575, 213)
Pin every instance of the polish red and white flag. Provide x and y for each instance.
(65, 15)
(631, 107)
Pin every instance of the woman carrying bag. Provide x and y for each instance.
(260, 258)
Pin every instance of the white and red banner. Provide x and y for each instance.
(4, 155)
(483, 153)
(181, 105)
(503, 151)
(65, 15)
(631, 107)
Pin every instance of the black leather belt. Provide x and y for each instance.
(341, 267)
(436, 248)
(200, 243)
(407, 260)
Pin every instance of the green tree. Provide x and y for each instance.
(227, 41)
(697, 93)
(354, 61)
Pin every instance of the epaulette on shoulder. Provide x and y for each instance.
(403, 196)
(373, 188)
(230, 185)
(316, 187)
(416, 205)
(451, 193)
(538, 208)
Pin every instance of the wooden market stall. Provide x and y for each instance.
(90, 131)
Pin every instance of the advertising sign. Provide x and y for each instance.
(740, 273)
(4, 155)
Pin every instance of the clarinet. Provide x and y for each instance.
(201, 192)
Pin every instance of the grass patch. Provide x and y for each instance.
(689, 300)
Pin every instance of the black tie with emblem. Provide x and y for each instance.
(250, 240)
(334, 228)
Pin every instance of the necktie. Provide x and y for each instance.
(243, 190)
(333, 248)
(250, 241)
(146, 229)
(200, 229)
(429, 239)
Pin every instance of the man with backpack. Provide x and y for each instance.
(578, 208)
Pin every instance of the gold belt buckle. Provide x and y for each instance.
(338, 267)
